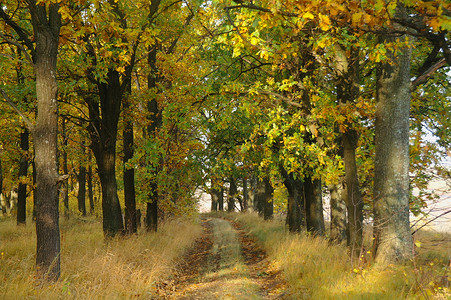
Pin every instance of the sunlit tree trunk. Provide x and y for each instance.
(338, 223)
(46, 23)
(392, 236)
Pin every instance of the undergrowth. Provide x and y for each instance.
(122, 268)
(316, 269)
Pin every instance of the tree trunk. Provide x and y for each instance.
(90, 190)
(129, 173)
(354, 203)
(295, 207)
(2, 197)
(214, 200)
(215, 194)
(263, 197)
(152, 211)
(392, 237)
(221, 199)
(82, 187)
(103, 131)
(259, 197)
(65, 184)
(46, 34)
(33, 175)
(156, 121)
(348, 91)
(338, 226)
(245, 195)
(231, 199)
(314, 206)
(23, 170)
(268, 208)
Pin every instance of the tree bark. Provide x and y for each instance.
(152, 210)
(129, 173)
(90, 187)
(65, 170)
(295, 208)
(338, 225)
(263, 197)
(245, 195)
(82, 187)
(231, 199)
(46, 28)
(314, 206)
(156, 121)
(221, 199)
(23, 170)
(2, 197)
(392, 237)
(348, 91)
(354, 201)
(103, 129)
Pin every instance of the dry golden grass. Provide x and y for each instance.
(122, 268)
(315, 269)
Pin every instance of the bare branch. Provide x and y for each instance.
(426, 74)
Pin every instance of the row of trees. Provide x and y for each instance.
(178, 96)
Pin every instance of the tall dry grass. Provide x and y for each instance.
(315, 269)
(122, 268)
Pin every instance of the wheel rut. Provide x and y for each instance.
(225, 263)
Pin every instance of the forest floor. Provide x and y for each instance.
(225, 263)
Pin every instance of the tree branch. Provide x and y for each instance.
(426, 74)
(17, 110)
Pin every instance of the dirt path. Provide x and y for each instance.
(225, 264)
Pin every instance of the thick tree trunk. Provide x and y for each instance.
(103, 131)
(263, 197)
(214, 200)
(338, 225)
(392, 237)
(295, 208)
(354, 203)
(259, 197)
(231, 199)
(23, 170)
(221, 199)
(112, 215)
(348, 91)
(314, 206)
(46, 33)
(215, 192)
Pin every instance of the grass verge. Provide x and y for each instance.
(122, 268)
(315, 269)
